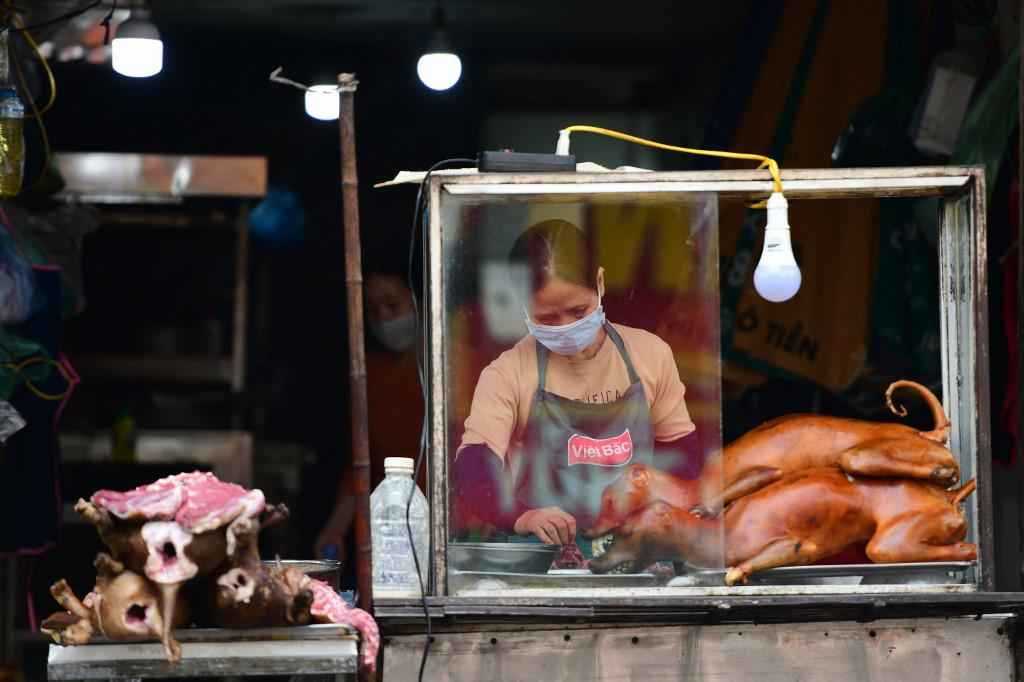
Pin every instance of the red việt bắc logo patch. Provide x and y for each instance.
(605, 452)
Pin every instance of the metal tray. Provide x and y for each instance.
(922, 573)
(502, 557)
(328, 570)
(462, 580)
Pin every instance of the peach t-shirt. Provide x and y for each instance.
(504, 392)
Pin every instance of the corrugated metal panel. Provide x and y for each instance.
(936, 650)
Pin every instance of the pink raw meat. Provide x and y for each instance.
(570, 556)
(157, 501)
(329, 607)
(212, 503)
(197, 501)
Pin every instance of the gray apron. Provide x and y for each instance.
(572, 450)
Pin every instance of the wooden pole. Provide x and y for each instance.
(357, 357)
(1020, 270)
(1020, 241)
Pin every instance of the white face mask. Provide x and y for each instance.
(568, 339)
(397, 334)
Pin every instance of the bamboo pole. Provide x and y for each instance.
(1020, 247)
(347, 84)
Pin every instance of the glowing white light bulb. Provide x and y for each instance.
(322, 102)
(137, 50)
(439, 70)
(777, 276)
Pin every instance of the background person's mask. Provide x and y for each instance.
(568, 339)
(397, 334)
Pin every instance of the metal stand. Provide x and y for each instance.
(315, 650)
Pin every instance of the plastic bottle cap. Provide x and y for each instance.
(399, 465)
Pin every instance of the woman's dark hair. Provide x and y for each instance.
(554, 248)
(391, 259)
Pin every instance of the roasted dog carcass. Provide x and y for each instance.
(122, 605)
(800, 519)
(639, 486)
(796, 442)
(244, 593)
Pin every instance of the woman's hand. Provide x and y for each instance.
(331, 536)
(550, 524)
(336, 528)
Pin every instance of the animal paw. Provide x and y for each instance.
(735, 575)
(702, 512)
(172, 649)
(946, 475)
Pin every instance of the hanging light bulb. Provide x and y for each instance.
(137, 50)
(322, 102)
(439, 68)
(777, 276)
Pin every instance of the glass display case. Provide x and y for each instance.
(577, 329)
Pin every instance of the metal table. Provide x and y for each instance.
(321, 650)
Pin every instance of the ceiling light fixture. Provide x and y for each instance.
(439, 68)
(137, 50)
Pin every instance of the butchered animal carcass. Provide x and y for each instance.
(192, 538)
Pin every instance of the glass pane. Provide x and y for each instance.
(834, 485)
(582, 368)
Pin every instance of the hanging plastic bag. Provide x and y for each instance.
(17, 281)
(11, 421)
(988, 128)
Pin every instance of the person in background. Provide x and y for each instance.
(394, 399)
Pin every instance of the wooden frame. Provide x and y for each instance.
(964, 320)
(114, 179)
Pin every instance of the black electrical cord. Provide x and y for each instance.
(419, 214)
(106, 23)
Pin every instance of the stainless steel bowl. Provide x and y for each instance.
(501, 557)
(328, 570)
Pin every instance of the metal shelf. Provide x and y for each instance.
(306, 650)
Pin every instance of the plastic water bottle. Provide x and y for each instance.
(394, 570)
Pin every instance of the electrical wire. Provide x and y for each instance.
(420, 214)
(52, 82)
(35, 360)
(765, 161)
(37, 114)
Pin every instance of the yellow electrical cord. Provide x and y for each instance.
(42, 60)
(765, 162)
(35, 360)
(36, 112)
(38, 115)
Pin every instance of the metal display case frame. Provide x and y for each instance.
(964, 334)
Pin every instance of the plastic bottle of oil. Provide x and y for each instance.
(12, 142)
(12, 128)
